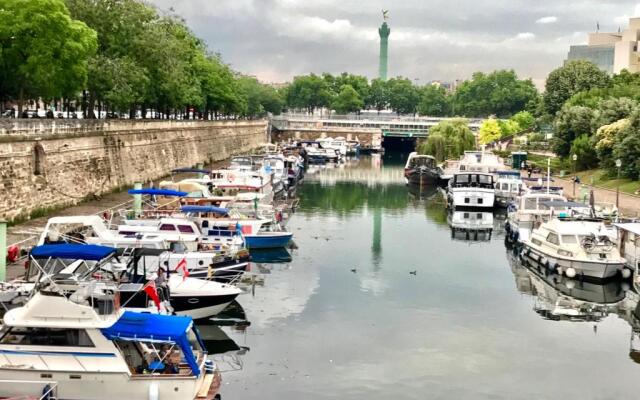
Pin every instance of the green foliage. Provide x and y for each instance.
(378, 97)
(570, 123)
(509, 128)
(611, 110)
(574, 77)
(308, 92)
(347, 100)
(587, 157)
(524, 119)
(44, 51)
(605, 140)
(403, 95)
(627, 147)
(448, 139)
(490, 131)
(499, 93)
(433, 101)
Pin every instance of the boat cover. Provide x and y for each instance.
(90, 252)
(134, 326)
(568, 204)
(508, 173)
(194, 170)
(158, 192)
(204, 209)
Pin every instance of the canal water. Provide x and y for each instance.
(381, 298)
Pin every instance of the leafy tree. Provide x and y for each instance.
(612, 110)
(378, 96)
(627, 147)
(433, 101)
(44, 51)
(309, 92)
(574, 77)
(508, 128)
(571, 123)
(403, 96)
(448, 139)
(586, 154)
(347, 100)
(490, 131)
(605, 141)
(524, 119)
(499, 93)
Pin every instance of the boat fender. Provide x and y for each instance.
(626, 273)
(571, 272)
(154, 392)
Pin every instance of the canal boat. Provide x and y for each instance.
(531, 210)
(471, 190)
(446, 171)
(575, 247)
(509, 187)
(86, 347)
(420, 169)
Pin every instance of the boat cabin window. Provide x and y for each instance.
(46, 337)
(553, 238)
(462, 178)
(569, 239)
(167, 227)
(185, 229)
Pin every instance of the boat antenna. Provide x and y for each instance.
(548, 174)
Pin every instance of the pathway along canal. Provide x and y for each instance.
(343, 317)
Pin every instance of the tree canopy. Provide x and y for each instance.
(574, 77)
(448, 139)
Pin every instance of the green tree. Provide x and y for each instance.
(499, 93)
(524, 119)
(605, 141)
(627, 147)
(571, 123)
(448, 139)
(43, 49)
(574, 77)
(378, 97)
(586, 153)
(403, 96)
(347, 101)
(490, 131)
(433, 101)
(611, 110)
(308, 92)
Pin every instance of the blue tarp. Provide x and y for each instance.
(204, 209)
(158, 192)
(195, 170)
(133, 326)
(509, 173)
(90, 252)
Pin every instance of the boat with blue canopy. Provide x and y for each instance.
(158, 192)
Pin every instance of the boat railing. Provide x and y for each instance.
(48, 390)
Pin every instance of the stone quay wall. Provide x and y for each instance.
(48, 164)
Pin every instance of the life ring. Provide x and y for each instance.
(231, 177)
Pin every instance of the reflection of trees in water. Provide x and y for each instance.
(345, 198)
(436, 210)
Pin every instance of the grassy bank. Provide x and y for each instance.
(598, 177)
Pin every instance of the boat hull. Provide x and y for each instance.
(594, 270)
(202, 306)
(270, 241)
(417, 177)
(472, 197)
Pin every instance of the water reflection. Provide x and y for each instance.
(471, 226)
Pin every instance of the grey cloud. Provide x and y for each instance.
(430, 40)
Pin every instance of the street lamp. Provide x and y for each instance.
(618, 164)
(575, 158)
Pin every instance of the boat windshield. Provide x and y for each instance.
(422, 162)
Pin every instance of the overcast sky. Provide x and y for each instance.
(430, 39)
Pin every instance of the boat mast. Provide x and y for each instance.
(548, 174)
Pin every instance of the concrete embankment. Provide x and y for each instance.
(51, 164)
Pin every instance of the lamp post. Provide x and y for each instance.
(575, 158)
(618, 164)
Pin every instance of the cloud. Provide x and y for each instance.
(547, 20)
(525, 36)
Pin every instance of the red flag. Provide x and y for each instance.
(151, 291)
(246, 229)
(183, 265)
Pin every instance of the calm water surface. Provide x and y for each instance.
(470, 323)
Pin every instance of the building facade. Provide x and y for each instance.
(611, 52)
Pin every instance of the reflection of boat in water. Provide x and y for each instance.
(278, 255)
(233, 315)
(562, 299)
(216, 340)
(422, 191)
(475, 226)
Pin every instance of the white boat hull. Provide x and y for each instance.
(590, 269)
(472, 197)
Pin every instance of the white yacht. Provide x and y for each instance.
(84, 347)
(509, 186)
(629, 243)
(471, 189)
(532, 209)
(575, 247)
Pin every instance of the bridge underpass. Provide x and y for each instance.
(404, 141)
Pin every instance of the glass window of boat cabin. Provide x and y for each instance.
(28, 336)
(569, 239)
(553, 238)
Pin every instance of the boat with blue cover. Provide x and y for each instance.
(82, 345)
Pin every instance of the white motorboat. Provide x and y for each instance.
(471, 189)
(85, 347)
(509, 187)
(629, 243)
(532, 209)
(275, 164)
(575, 247)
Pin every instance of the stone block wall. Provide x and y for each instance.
(47, 164)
